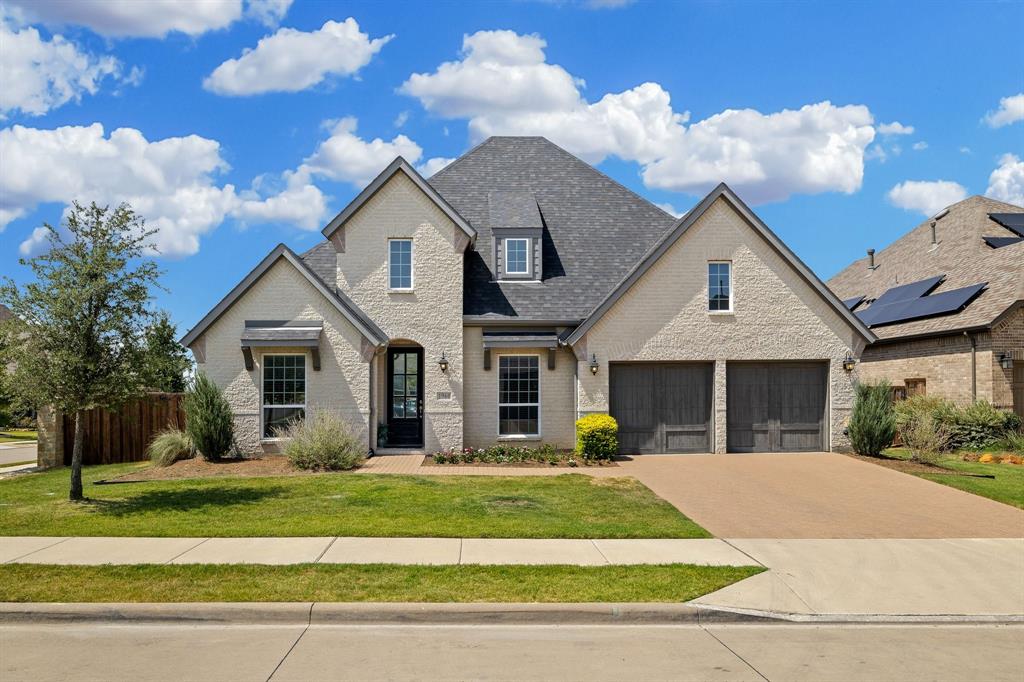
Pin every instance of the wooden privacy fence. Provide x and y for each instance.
(124, 435)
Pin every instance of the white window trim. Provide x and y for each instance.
(732, 288)
(525, 240)
(263, 405)
(540, 399)
(412, 264)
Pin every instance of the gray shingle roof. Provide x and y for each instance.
(595, 229)
(513, 209)
(961, 255)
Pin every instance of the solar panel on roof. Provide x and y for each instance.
(925, 306)
(1011, 221)
(852, 303)
(1000, 242)
(907, 292)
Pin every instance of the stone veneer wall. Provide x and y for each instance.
(430, 315)
(777, 316)
(341, 386)
(557, 395)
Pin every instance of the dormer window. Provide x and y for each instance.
(517, 256)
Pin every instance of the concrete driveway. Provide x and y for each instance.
(817, 495)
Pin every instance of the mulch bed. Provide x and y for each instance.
(200, 468)
(909, 467)
(428, 461)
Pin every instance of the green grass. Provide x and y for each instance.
(567, 506)
(1007, 486)
(374, 582)
(17, 436)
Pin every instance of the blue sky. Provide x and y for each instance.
(793, 104)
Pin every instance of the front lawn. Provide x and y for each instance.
(1007, 486)
(567, 506)
(18, 436)
(375, 582)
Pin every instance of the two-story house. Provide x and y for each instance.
(520, 288)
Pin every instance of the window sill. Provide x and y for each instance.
(400, 291)
(521, 439)
(721, 313)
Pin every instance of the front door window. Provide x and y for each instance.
(405, 385)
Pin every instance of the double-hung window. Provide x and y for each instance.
(284, 391)
(518, 395)
(400, 264)
(720, 287)
(517, 256)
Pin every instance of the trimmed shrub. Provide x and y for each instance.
(322, 442)
(978, 425)
(170, 446)
(208, 419)
(501, 454)
(597, 436)
(873, 421)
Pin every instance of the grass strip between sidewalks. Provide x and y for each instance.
(364, 582)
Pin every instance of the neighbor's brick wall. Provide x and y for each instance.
(1007, 336)
(557, 394)
(431, 315)
(50, 451)
(342, 385)
(943, 362)
(777, 316)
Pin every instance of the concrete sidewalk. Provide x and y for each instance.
(437, 551)
(807, 578)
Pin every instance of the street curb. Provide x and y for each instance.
(358, 613)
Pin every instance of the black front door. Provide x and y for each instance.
(405, 397)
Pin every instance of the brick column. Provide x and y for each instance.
(720, 408)
(50, 452)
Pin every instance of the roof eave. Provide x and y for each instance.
(682, 226)
(399, 164)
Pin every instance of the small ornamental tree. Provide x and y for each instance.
(873, 421)
(165, 361)
(83, 317)
(208, 419)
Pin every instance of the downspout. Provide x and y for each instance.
(373, 408)
(974, 366)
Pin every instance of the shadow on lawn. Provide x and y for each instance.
(189, 499)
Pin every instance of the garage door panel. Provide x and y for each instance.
(662, 407)
(776, 407)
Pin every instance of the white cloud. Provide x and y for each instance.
(876, 152)
(1006, 183)
(1011, 110)
(503, 85)
(170, 182)
(291, 60)
(39, 75)
(965, 150)
(123, 18)
(268, 12)
(895, 128)
(431, 166)
(401, 119)
(768, 157)
(346, 157)
(919, 146)
(927, 197)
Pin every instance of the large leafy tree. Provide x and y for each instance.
(166, 361)
(84, 316)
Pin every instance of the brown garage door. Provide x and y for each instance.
(662, 406)
(776, 406)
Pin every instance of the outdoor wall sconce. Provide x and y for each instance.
(593, 364)
(849, 363)
(443, 363)
(1006, 361)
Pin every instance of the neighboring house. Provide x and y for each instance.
(5, 313)
(520, 288)
(946, 301)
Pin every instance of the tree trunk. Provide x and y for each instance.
(76, 460)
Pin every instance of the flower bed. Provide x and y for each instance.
(512, 455)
